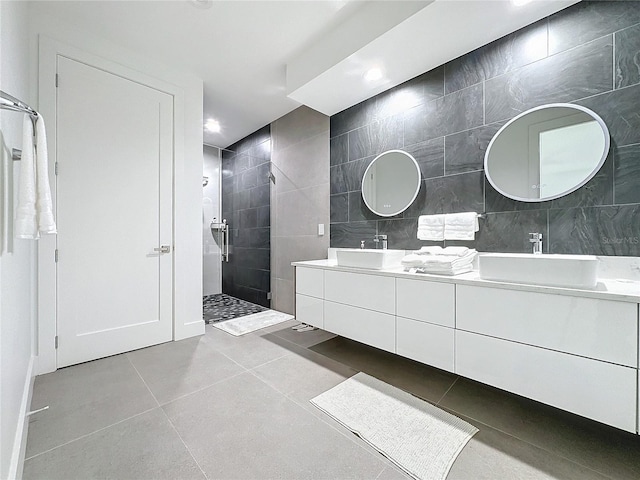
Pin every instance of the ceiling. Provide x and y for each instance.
(255, 57)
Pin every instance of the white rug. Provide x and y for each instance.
(251, 323)
(418, 437)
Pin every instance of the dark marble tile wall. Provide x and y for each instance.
(586, 54)
(246, 206)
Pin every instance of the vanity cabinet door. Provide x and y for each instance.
(600, 329)
(373, 292)
(431, 302)
(310, 310)
(373, 328)
(425, 342)
(310, 281)
(598, 390)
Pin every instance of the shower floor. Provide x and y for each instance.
(220, 306)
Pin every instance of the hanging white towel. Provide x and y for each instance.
(461, 226)
(26, 221)
(431, 227)
(44, 205)
(34, 212)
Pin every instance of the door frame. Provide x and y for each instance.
(49, 49)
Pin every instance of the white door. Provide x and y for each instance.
(114, 207)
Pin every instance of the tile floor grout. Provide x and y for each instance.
(448, 389)
(175, 429)
(142, 379)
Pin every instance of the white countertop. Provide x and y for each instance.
(606, 289)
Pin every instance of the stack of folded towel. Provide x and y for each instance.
(445, 261)
(450, 226)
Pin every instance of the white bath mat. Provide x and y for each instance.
(251, 323)
(418, 437)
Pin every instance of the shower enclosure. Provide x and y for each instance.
(213, 246)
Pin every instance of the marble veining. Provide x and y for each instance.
(430, 157)
(347, 177)
(517, 49)
(349, 235)
(339, 150)
(565, 77)
(589, 20)
(376, 138)
(627, 174)
(454, 193)
(339, 208)
(628, 56)
(465, 150)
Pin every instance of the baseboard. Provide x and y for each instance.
(20, 442)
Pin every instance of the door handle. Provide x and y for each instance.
(163, 249)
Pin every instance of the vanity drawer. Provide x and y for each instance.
(373, 292)
(600, 329)
(426, 343)
(597, 390)
(310, 281)
(431, 302)
(373, 328)
(310, 310)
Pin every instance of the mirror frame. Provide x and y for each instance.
(596, 169)
(415, 194)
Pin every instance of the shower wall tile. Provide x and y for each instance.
(301, 124)
(349, 235)
(627, 174)
(465, 150)
(376, 138)
(611, 230)
(452, 113)
(308, 206)
(245, 206)
(430, 157)
(619, 110)
(520, 48)
(449, 134)
(627, 50)
(589, 20)
(578, 73)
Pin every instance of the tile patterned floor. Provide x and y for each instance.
(221, 306)
(224, 407)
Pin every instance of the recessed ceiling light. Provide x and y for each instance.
(373, 74)
(212, 126)
(519, 3)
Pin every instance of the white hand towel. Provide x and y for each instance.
(433, 250)
(461, 226)
(26, 224)
(431, 227)
(44, 205)
(455, 251)
(412, 260)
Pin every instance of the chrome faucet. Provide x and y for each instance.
(378, 238)
(536, 240)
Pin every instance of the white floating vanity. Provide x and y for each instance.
(574, 349)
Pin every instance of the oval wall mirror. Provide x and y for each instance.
(546, 152)
(391, 183)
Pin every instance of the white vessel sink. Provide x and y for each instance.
(576, 271)
(369, 258)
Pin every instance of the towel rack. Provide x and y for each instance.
(16, 105)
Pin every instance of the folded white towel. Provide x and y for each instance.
(431, 227)
(412, 260)
(452, 271)
(455, 251)
(34, 212)
(44, 205)
(26, 224)
(461, 226)
(439, 262)
(432, 250)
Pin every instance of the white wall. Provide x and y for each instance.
(17, 260)
(187, 179)
(211, 266)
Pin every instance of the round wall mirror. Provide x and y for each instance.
(546, 152)
(391, 183)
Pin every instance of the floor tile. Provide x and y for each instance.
(174, 369)
(84, 398)
(247, 350)
(304, 374)
(606, 449)
(492, 455)
(263, 435)
(418, 379)
(143, 447)
(393, 473)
